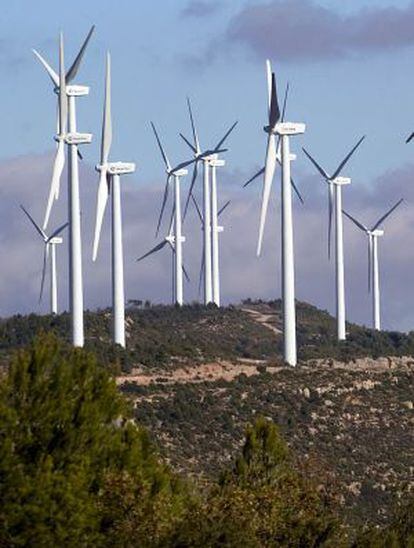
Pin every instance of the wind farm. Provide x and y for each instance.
(194, 355)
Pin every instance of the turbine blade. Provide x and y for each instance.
(201, 275)
(285, 102)
(382, 219)
(255, 176)
(357, 223)
(295, 188)
(330, 214)
(200, 215)
(52, 74)
(193, 127)
(269, 172)
(42, 283)
(182, 165)
(58, 231)
(190, 191)
(72, 72)
(409, 138)
(164, 156)
(106, 141)
(188, 143)
(315, 163)
(101, 201)
(346, 159)
(172, 218)
(37, 227)
(153, 250)
(63, 100)
(58, 166)
(274, 114)
(269, 84)
(164, 201)
(223, 208)
(220, 143)
(187, 277)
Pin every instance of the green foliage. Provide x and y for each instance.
(64, 431)
(261, 501)
(398, 534)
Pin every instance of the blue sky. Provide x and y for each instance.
(212, 51)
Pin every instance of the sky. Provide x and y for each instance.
(350, 69)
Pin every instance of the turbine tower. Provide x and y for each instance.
(177, 172)
(110, 181)
(284, 130)
(50, 242)
(373, 269)
(215, 229)
(335, 184)
(67, 109)
(210, 240)
(170, 240)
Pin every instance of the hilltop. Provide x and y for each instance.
(198, 375)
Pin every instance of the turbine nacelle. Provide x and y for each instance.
(55, 240)
(171, 239)
(179, 172)
(74, 90)
(341, 181)
(292, 157)
(78, 138)
(215, 162)
(376, 232)
(289, 128)
(121, 168)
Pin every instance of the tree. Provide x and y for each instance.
(65, 434)
(261, 501)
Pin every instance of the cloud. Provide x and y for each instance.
(303, 31)
(201, 8)
(242, 274)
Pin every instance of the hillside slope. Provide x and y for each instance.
(197, 376)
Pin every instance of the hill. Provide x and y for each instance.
(197, 375)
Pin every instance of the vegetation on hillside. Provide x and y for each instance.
(160, 336)
(76, 471)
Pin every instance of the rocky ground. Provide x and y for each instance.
(350, 424)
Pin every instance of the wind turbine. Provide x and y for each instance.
(278, 150)
(70, 90)
(67, 109)
(373, 270)
(335, 184)
(216, 229)
(50, 242)
(170, 240)
(175, 173)
(110, 182)
(207, 157)
(284, 130)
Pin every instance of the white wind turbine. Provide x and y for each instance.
(373, 269)
(210, 159)
(76, 91)
(175, 173)
(216, 229)
(335, 184)
(109, 182)
(170, 240)
(50, 243)
(284, 130)
(278, 146)
(70, 136)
